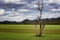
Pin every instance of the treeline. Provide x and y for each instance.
(36, 21)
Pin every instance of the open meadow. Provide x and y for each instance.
(27, 32)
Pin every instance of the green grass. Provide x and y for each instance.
(17, 26)
(53, 26)
(26, 26)
(25, 32)
(26, 36)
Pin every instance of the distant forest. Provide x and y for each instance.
(42, 21)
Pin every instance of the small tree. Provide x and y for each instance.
(40, 8)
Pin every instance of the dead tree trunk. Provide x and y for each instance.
(40, 8)
(41, 29)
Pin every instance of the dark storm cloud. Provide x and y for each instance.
(56, 6)
(11, 5)
(29, 1)
(25, 9)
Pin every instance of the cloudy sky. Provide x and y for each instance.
(18, 10)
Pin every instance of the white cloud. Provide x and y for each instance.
(19, 14)
(1, 11)
(55, 10)
(12, 1)
(57, 1)
(15, 1)
(50, 15)
(49, 1)
(16, 18)
(52, 1)
(23, 10)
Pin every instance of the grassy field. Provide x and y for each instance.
(27, 32)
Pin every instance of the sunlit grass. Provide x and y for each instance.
(27, 36)
(27, 32)
(15, 26)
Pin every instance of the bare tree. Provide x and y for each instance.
(42, 25)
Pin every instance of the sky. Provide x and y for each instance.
(19, 10)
